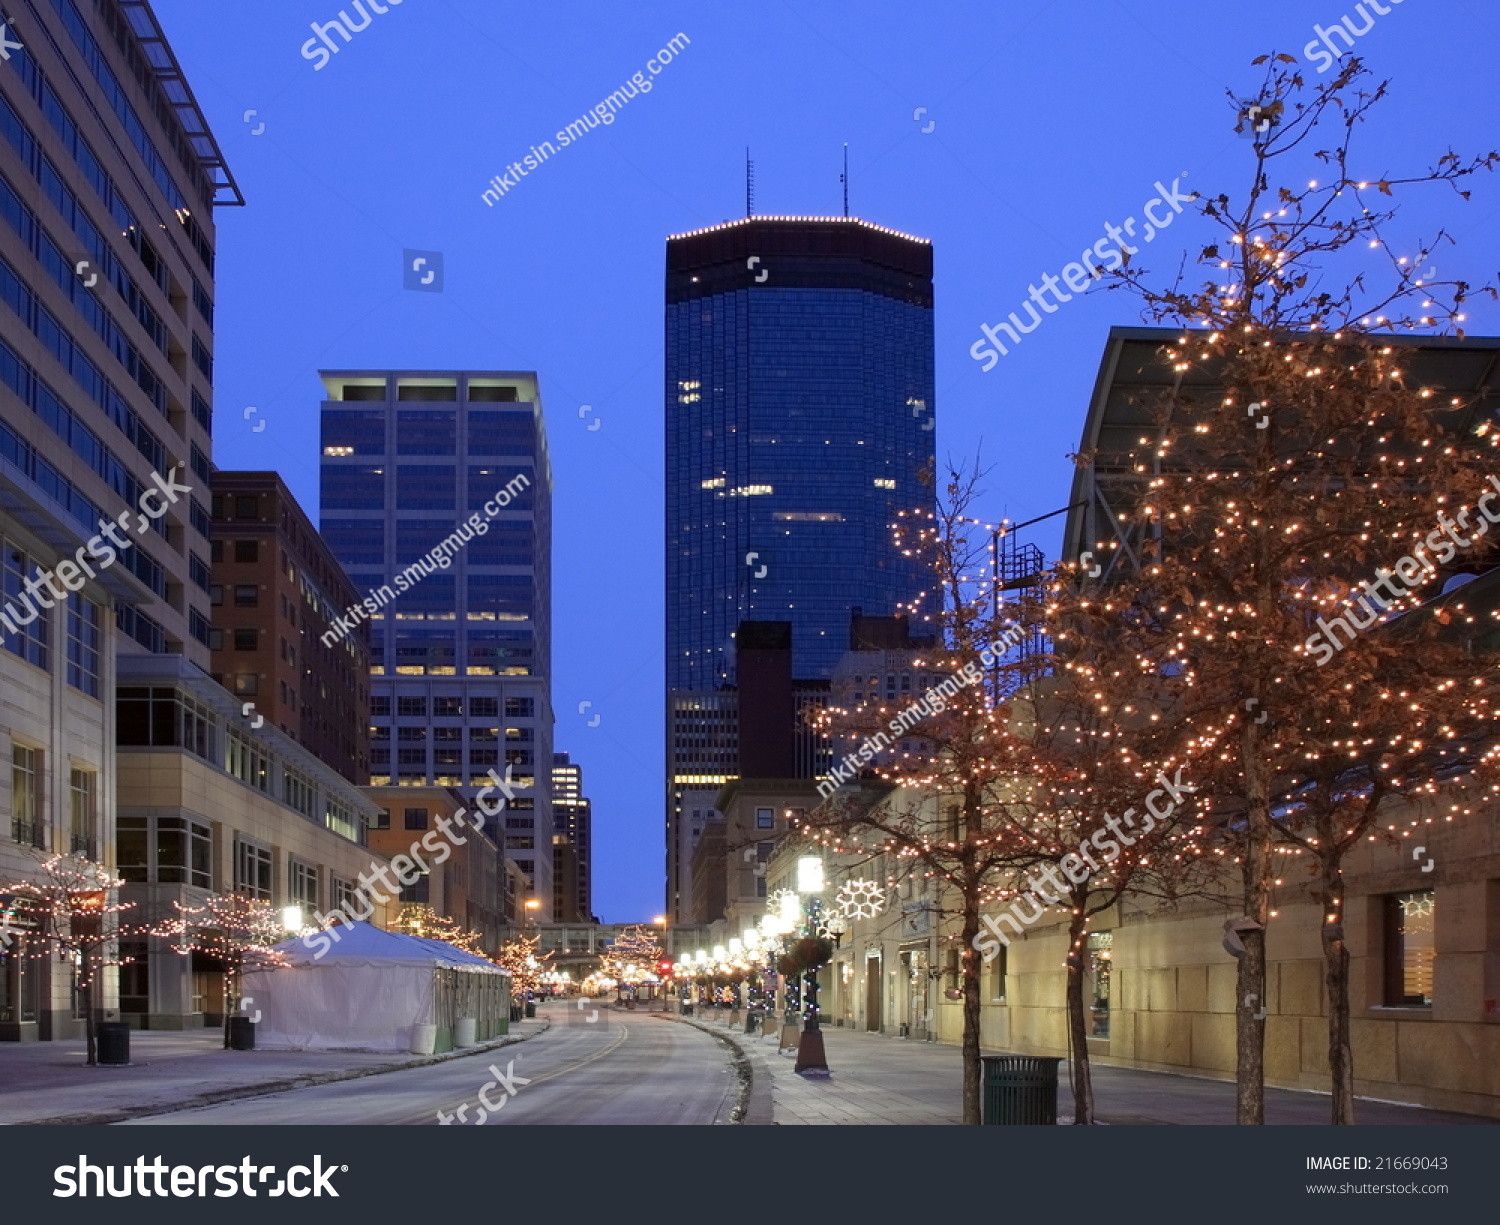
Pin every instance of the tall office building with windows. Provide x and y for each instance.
(799, 418)
(573, 851)
(109, 177)
(437, 501)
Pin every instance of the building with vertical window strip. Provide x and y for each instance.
(109, 177)
(437, 501)
(799, 421)
(572, 841)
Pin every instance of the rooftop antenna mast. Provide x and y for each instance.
(749, 184)
(844, 178)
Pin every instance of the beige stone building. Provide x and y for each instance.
(106, 375)
(209, 803)
(1423, 925)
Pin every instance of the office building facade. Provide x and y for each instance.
(437, 501)
(277, 590)
(109, 177)
(799, 422)
(573, 817)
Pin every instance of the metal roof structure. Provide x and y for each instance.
(1135, 379)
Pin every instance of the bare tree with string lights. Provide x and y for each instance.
(239, 933)
(424, 921)
(943, 786)
(73, 908)
(1291, 499)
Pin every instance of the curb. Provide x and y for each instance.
(269, 1088)
(754, 1107)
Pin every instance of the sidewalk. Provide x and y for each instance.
(48, 1082)
(879, 1080)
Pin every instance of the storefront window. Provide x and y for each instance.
(1100, 953)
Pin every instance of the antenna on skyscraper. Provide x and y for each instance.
(749, 184)
(844, 178)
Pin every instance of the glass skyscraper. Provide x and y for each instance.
(799, 413)
(437, 499)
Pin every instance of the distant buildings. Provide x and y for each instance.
(437, 500)
(799, 420)
(468, 885)
(573, 820)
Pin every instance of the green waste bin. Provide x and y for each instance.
(1020, 1090)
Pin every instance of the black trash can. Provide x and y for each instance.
(1020, 1090)
(530, 1009)
(515, 1012)
(241, 1034)
(752, 1020)
(113, 1045)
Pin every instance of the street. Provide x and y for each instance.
(593, 1066)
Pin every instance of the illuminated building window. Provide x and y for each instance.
(1409, 949)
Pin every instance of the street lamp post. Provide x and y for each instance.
(661, 922)
(810, 1055)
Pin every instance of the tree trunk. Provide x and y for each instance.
(231, 1002)
(1083, 1080)
(1250, 1004)
(970, 964)
(90, 1021)
(1336, 977)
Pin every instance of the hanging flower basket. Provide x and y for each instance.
(806, 954)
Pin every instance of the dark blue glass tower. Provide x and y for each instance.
(799, 412)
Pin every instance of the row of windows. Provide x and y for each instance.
(420, 778)
(163, 717)
(37, 394)
(445, 707)
(478, 758)
(87, 301)
(68, 137)
(449, 735)
(114, 94)
(418, 487)
(28, 823)
(179, 851)
(404, 668)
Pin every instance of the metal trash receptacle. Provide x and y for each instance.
(113, 1043)
(1020, 1090)
(241, 1034)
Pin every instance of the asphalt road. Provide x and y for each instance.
(593, 1066)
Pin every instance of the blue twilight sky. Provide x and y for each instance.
(1047, 120)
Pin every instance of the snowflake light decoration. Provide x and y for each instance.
(860, 899)
(781, 901)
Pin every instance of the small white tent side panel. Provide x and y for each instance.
(365, 992)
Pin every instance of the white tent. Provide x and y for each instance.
(368, 989)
